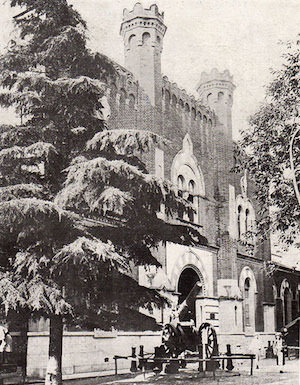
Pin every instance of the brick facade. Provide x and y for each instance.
(142, 98)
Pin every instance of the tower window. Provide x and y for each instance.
(145, 38)
(187, 108)
(131, 40)
(204, 121)
(209, 97)
(220, 96)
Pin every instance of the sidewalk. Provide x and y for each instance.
(268, 373)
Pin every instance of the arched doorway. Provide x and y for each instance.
(186, 282)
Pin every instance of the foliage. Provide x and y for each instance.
(267, 144)
(78, 208)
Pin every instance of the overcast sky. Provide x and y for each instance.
(239, 35)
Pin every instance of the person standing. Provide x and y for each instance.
(5, 345)
(278, 351)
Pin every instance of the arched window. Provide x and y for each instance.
(246, 302)
(191, 198)
(220, 96)
(204, 121)
(131, 101)
(247, 284)
(181, 103)
(209, 98)
(235, 316)
(181, 188)
(145, 38)
(187, 175)
(167, 99)
(247, 221)
(187, 108)
(286, 298)
(131, 41)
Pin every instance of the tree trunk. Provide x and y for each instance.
(54, 375)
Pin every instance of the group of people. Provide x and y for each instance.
(278, 350)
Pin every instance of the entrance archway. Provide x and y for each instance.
(186, 282)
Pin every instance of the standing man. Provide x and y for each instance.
(278, 351)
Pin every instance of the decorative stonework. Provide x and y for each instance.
(189, 260)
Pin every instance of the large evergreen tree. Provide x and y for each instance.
(77, 207)
(272, 145)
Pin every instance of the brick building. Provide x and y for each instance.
(237, 297)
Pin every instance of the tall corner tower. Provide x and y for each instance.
(143, 31)
(216, 91)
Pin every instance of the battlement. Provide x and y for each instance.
(215, 75)
(140, 11)
(184, 100)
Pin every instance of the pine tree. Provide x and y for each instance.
(77, 207)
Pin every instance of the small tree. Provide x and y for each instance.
(77, 207)
(273, 152)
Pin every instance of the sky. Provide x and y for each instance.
(239, 35)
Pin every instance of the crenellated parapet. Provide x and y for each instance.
(214, 86)
(140, 11)
(179, 99)
(216, 91)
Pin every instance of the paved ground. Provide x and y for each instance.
(268, 373)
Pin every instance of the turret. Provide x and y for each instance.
(143, 31)
(216, 91)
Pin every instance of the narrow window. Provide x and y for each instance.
(247, 300)
(247, 221)
(180, 186)
(239, 221)
(191, 198)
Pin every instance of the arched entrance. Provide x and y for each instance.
(287, 306)
(186, 282)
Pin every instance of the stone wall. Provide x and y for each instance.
(87, 352)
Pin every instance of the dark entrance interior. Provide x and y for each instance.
(186, 282)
